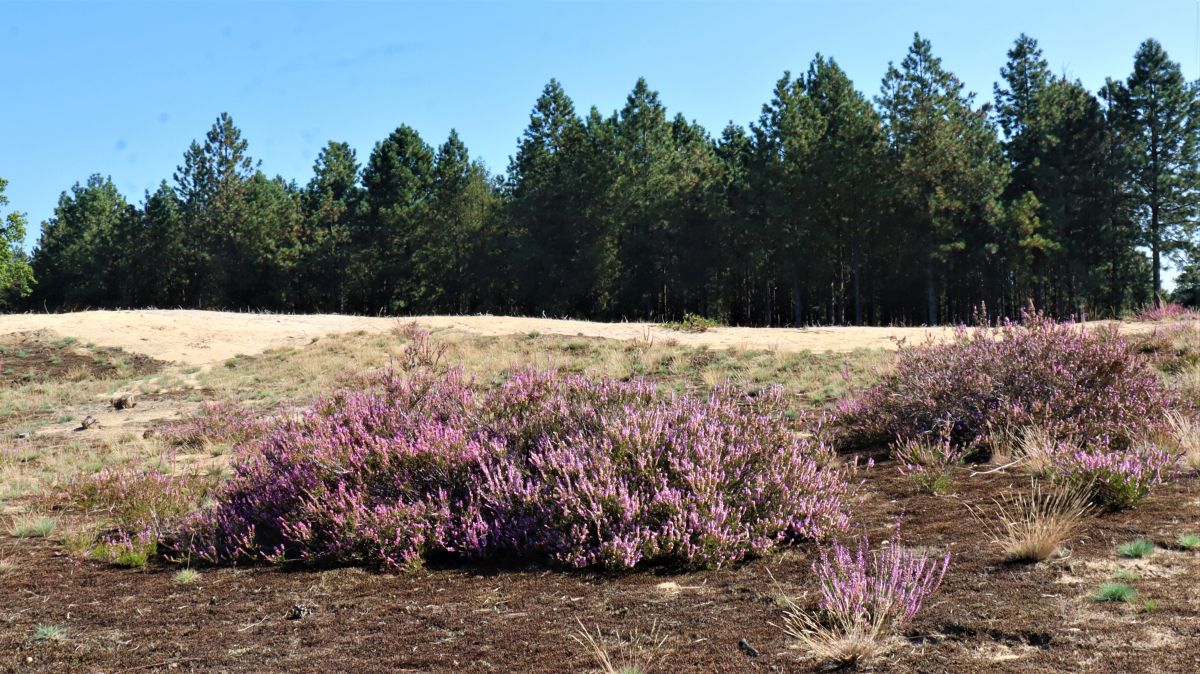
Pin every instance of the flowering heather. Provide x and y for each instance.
(865, 598)
(1076, 385)
(1118, 479)
(928, 461)
(1167, 311)
(142, 505)
(218, 421)
(545, 466)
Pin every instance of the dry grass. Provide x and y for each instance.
(1185, 438)
(1032, 450)
(636, 654)
(1031, 526)
(866, 639)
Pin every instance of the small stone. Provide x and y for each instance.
(297, 612)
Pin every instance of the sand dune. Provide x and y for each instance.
(200, 337)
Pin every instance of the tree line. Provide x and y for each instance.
(914, 206)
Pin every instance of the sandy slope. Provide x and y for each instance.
(201, 337)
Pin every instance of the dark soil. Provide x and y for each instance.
(35, 358)
(988, 617)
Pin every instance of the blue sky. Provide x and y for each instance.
(121, 89)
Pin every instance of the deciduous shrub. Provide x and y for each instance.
(550, 466)
(1091, 389)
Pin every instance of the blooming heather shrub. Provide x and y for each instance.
(928, 461)
(217, 421)
(1118, 479)
(866, 597)
(1166, 311)
(1039, 373)
(546, 466)
(142, 505)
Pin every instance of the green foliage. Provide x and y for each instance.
(1115, 592)
(16, 274)
(827, 209)
(1188, 541)
(1137, 549)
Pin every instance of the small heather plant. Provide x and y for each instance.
(866, 598)
(1029, 526)
(1165, 311)
(217, 422)
(579, 472)
(142, 507)
(1038, 373)
(1115, 592)
(1117, 479)
(928, 461)
(1137, 549)
(1188, 541)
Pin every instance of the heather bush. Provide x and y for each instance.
(1116, 478)
(928, 461)
(1165, 311)
(547, 466)
(141, 507)
(866, 598)
(219, 421)
(1088, 387)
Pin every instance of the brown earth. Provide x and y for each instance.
(988, 617)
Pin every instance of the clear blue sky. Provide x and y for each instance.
(121, 89)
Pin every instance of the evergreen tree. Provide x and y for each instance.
(332, 203)
(76, 259)
(211, 184)
(1158, 114)
(398, 179)
(949, 173)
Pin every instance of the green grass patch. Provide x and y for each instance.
(1137, 549)
(1115, 592)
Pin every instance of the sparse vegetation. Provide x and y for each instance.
(636, 654)
(185, 576)
(32, 527)
(1188, 541)
(1137, 549)
(1031, 525)
(1115, 592)
(44, 633)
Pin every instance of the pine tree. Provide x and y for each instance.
(76, 259)
(332, 208)
(949, 173)
(211, 184)
(1158, 114)
(398, 179)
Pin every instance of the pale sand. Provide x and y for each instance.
(202, 337)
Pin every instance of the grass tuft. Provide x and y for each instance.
(633, 655)
(1137, 549)
(1029, 526)
(32, 527)
(1115, 592)
(49, 633)
(186, 576)
(1188, 541)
